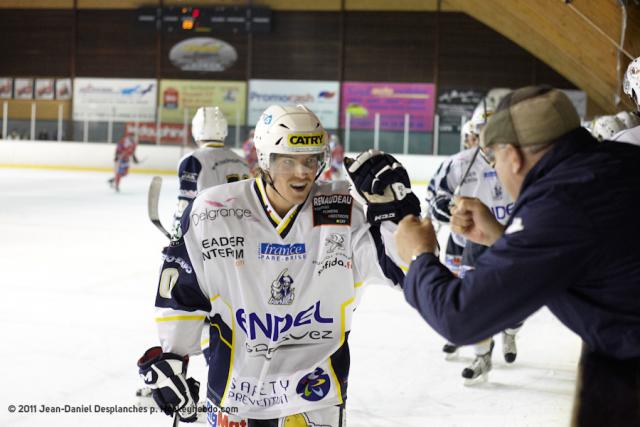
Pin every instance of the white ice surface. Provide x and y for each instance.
(79, 265)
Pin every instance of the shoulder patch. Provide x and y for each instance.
(332, 209)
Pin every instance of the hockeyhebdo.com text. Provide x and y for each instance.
(108, 409)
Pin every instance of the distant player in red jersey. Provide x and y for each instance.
(125, 150)
(334, 171)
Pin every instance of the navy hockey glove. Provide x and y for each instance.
(382, 183)
(163, 373)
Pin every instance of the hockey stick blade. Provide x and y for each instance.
(152, 204)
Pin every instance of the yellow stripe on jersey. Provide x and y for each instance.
(342, 338)
(174, 318)
(357, 285)
(285, 223)
(265, 202)
(343, 319)
(335, 380)
(215, 325)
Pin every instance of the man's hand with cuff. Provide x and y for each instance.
(414, 237)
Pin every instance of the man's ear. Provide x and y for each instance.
(515, 159)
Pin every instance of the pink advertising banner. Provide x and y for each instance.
(392, 101)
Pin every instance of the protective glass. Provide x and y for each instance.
(282, 164)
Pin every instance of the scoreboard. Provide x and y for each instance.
(207, 19)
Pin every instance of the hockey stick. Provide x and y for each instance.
(152, 204)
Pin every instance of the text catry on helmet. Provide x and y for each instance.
(289, 130)
(209, 125)
(631, 84)
(605, 127)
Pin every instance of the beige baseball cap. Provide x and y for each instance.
(529, 116)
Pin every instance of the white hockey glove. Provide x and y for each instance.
(382, 184)
(163, 373)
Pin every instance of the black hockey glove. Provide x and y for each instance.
(382, 183)
(162, 372)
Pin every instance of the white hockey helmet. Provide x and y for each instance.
(631, 84)
(209, 124)
(289, 130)
(629, 119)
(494, 96)
(479, 118)
(605, 127)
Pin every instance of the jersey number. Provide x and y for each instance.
(168, 280)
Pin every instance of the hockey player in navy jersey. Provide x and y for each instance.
(278, 263)
(470, 175)
(211, 164)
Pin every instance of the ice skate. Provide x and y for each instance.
(478, 371)
(450, 351)
(110, 181)
(509, 349)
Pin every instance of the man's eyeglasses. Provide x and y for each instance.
(489, 153)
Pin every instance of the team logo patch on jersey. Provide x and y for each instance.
(332, 209)
(282, 252)
(497, 192)
(334, 243)
(282, 290)
(314, 386)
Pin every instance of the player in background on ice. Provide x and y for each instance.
(481, 182)
(278, 263)
(631, 87)
(438, 200)
(125, 151)
(209, 165)
(250, 155)
(335, 170)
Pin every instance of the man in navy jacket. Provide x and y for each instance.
(572, 244)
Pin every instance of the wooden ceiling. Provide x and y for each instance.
(576, 39)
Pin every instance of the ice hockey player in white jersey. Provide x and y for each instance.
(481, 181)
(631, 87)
(211, 164)
(278, 263)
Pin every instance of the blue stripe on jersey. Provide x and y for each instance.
(220, 359)
(188, 173)
(389, 268)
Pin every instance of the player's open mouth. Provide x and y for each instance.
(298, 187)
